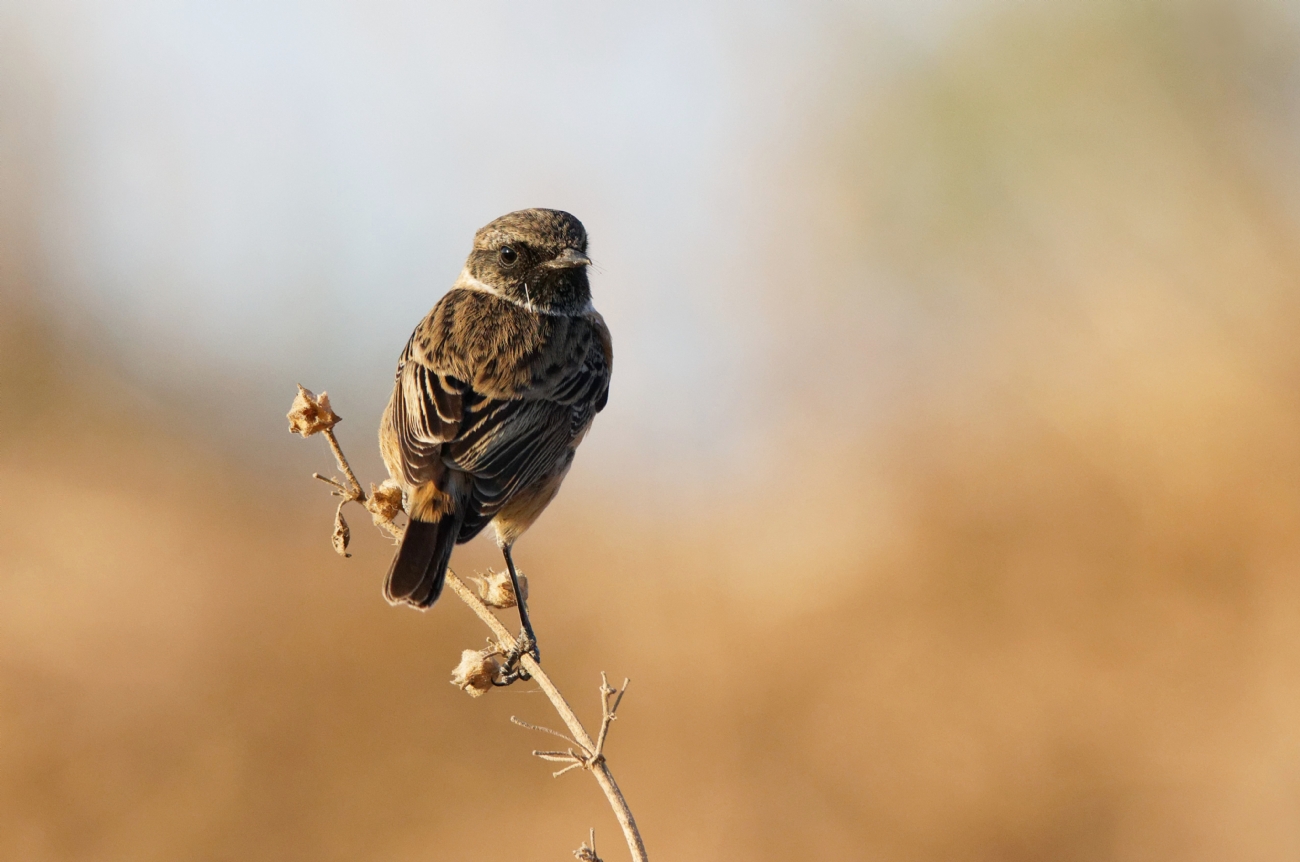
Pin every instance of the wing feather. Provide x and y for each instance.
(425, 416)
(505, 440)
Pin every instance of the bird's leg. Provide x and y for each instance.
(527, 640)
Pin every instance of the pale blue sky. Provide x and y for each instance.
(256, 193)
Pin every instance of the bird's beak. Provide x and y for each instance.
(569, 258)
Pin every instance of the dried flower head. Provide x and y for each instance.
(309, 414)
(385, 502)
(476, 671)
(496, 591)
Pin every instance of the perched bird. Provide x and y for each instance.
(495, 390)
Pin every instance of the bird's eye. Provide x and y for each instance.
(507, 255)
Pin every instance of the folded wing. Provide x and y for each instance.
(504, 442)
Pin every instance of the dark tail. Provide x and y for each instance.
(420, 566)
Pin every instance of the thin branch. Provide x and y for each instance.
(587, 852)
(560, 756)
(359, 495)
(329, 481)
(608, 711)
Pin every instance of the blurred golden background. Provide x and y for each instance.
(946, 506)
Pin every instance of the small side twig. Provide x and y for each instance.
(608, 710)
(311, 415)
(588, 758)
(587, 852)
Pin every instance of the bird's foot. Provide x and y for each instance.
(511, 671)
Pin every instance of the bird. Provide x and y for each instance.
(495, 390)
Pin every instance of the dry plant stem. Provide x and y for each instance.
(309, 416)
(587, 852)
(358, 494)
(596, 762)
(352, 492)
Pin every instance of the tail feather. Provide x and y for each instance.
(420, 565)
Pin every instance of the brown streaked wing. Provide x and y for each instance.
(504, 443)
(427, 415)
(515, 444)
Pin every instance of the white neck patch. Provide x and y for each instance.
(469, 282)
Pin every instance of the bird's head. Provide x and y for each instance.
(534, 257)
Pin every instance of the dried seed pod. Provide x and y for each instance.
(342, 535)
(310, 415)
(496, 591)
(476, 671)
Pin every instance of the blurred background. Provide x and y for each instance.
(947, 503)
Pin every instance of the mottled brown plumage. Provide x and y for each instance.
(495, 390)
